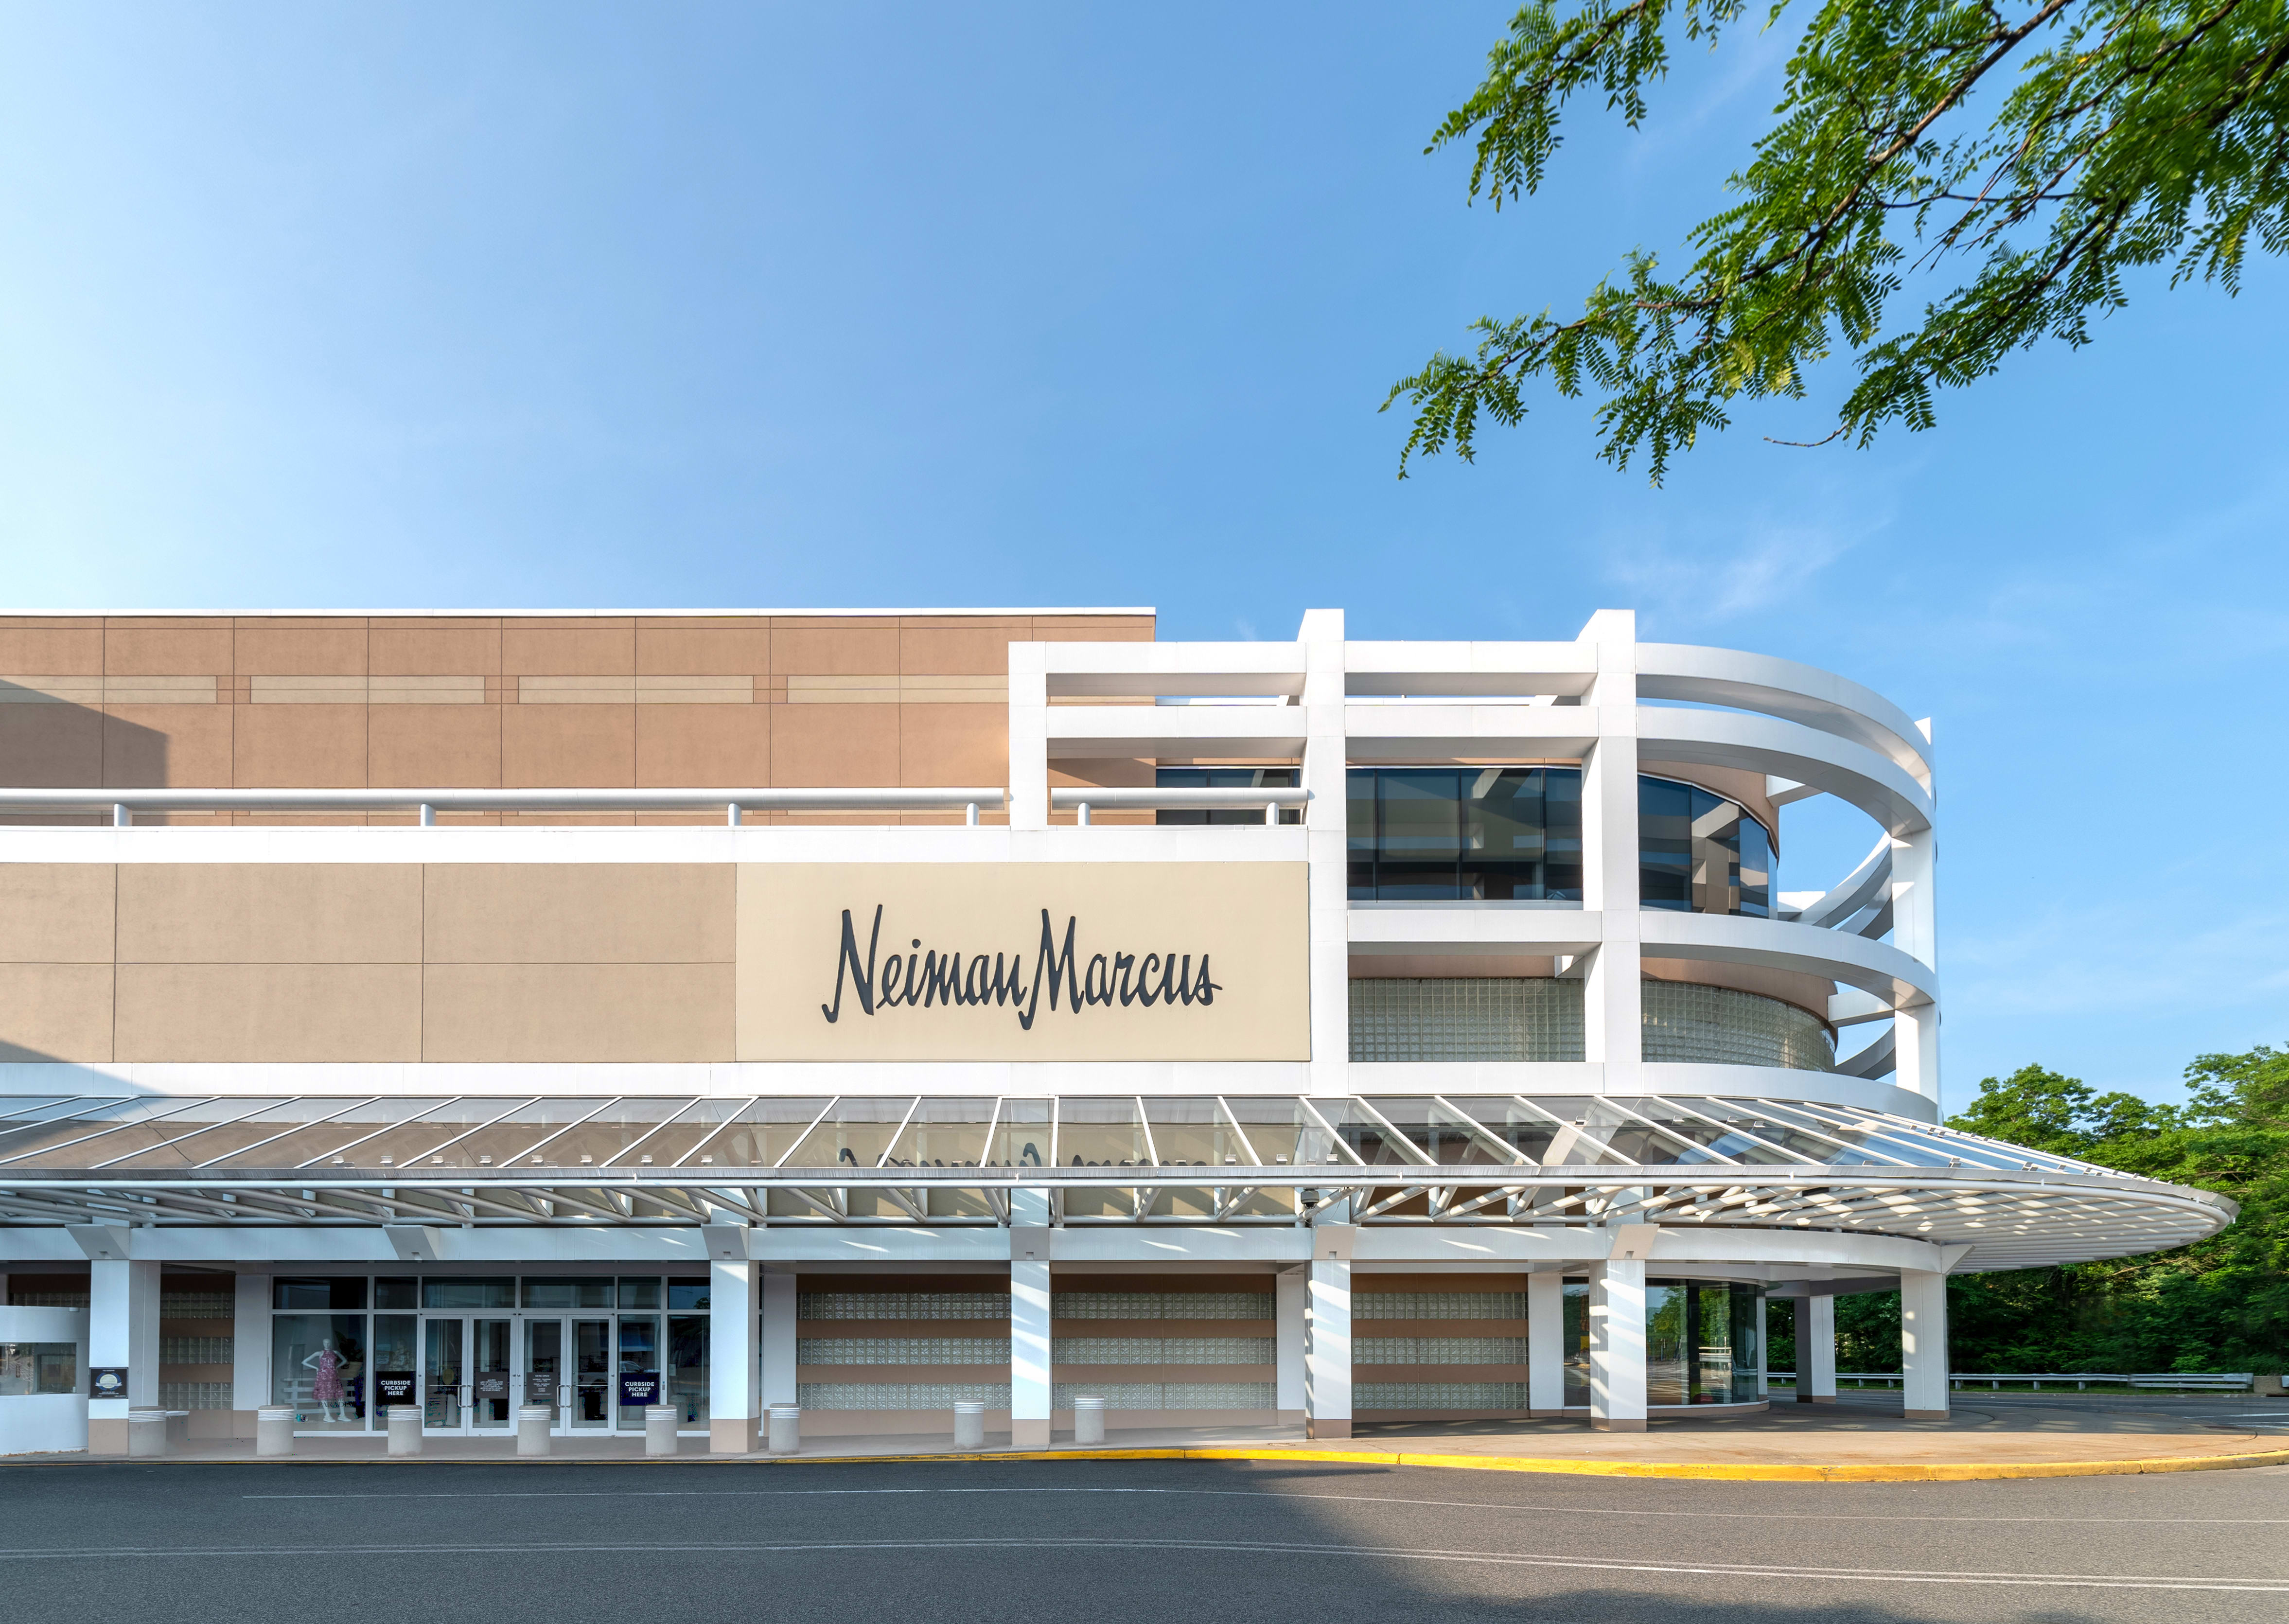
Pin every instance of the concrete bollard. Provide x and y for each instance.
(1088, 1421)
(970, 1425)
(147, 1433)
(405, 1430)
(274, 1429)
(786, 1430)
(532, 1424)
(659, 1430)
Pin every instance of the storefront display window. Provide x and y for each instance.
(317, 1364)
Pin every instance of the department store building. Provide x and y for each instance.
(875, 1012)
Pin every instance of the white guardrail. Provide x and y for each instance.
(123, 804)
(2199, 1381)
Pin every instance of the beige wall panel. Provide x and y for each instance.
(847, 651)
(57, 648)
(732, 649)
(167, 648)
(680, 746)
(55, 1012)
(303, 648)
(270, 913)
(953, 744)
(569, 648)
(55, 913)
(578, 913)
(251, 1012)
(434, 648)
(57, 746)
(298, 747)
(1247, 919)
(429, 746)
(568, 1013)
(834, 745)
(162, 746)
(555, 746)
(984, 649)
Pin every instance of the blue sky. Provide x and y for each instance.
(886, 305)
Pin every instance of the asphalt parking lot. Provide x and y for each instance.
(1119, 1540)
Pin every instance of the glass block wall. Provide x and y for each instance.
(1438, 1350)
(1491, 1018)
(1718, 1025)
(1528, 1018)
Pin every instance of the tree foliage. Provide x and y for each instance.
(2221, 1304)
(2043, 148)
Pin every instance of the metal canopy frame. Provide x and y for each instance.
(2017, 1208)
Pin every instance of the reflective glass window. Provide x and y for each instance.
(688, 1294)
(325, 1292)
(1700, 854)
(544, 1293)
(1225, 778)
(463, 1291)
(1467, 834)
(396, 1292)
(638, 1291)
(28, 1368)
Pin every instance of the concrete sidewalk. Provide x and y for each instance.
(1854, 1438)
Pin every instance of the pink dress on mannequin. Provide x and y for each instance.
(328, 1387)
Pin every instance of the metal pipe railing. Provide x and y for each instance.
(1081, 802)
(426, 804)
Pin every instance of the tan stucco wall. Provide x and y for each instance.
(604, 962)
(482, 702)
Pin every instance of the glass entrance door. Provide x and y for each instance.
(592, 1375)
(568, 1366)
(493, 1387)
(442, 1375)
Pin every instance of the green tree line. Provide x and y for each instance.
(2221, 1304)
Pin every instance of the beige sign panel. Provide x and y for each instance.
(1023, 962)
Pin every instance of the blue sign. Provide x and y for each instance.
(639, 1388)
(108, 1381)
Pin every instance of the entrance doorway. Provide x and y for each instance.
(568, 1366)
(466, 1374)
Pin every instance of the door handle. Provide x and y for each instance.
(563, 1398)
(468, 1394)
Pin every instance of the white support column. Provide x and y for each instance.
(1029, 736)
(1617, 1344)
(1327, 1350)
(1327, 761)
(123, 1330)
(250, 1352)
(1915, 930)
(731, 1357)
(1815, 1350)
(777, 1351)
(1764, 1350)
(1545, 1343)
(1922, 1344)
(1612, 1000)
(1030, 1390)
(1291, 1300)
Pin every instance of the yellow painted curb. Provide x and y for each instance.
(1725, 1471)
(1721, 1471)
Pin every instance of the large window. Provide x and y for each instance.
(1701, 1342)
(1514, 835)
(1700, 854)
(1466, 833)
(1225, 778)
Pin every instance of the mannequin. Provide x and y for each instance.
(329, 1364)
